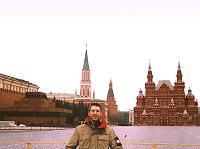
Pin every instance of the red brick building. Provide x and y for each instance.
(166, 104)
(111, 104)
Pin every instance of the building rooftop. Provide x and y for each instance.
(161, 82)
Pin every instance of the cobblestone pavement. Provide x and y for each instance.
(138, 134)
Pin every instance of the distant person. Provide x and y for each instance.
(94, 133)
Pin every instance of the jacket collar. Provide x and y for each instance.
(101, 123)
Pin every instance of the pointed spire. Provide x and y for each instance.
(179, 65)
(110, 84)
(86, 63)
(179, 73)
(149, 65)
(110, 91)
(149, 75)
(85, 85)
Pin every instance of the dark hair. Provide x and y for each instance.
(95, 104)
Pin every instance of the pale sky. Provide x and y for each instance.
(43, 41)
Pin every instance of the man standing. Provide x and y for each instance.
(94, 133)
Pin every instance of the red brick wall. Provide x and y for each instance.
(7, 97)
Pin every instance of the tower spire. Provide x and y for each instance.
(112, 106)
(179, 65)
(179, 73)
(85, 86)
(149, 85)
(86, 63)
(149, 65)
(150, 75)
(110, 91)
(110, 84)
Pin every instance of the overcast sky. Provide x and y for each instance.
(44, 42)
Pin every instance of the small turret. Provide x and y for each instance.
(189, 94)
(140, 95)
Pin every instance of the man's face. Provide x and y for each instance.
(94, 113)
